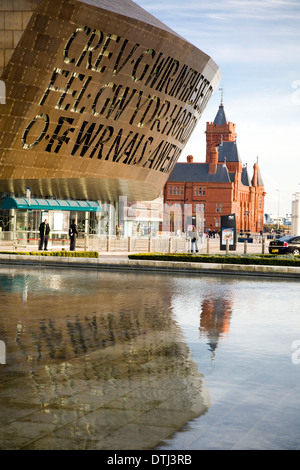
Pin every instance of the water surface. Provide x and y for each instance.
(106, 360)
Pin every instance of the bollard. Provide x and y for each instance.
(149, 244)
(245, 247)
(86, 243)
(263, 246)
(170, 245)
(207, 246)
(108, 243)
(227, 246)
(129, 244)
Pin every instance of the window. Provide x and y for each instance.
(203, 191)
(196, 190)
(199, 207)
(199, 192)
(170, 190)
(221, 207)
(217, 207)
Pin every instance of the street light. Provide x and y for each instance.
(278, 210)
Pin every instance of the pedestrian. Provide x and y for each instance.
(28, 232)
(194, 239)
(73, 233)
(44, 235)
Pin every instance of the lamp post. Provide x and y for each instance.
(278, 210)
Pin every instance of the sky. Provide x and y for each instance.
(256, 44)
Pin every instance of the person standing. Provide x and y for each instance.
(44, 235)
(28, 232)
(73, 233)
(194, 240)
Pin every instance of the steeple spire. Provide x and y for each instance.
(221, 118)
(218, 132)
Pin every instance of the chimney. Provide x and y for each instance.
(255, 172)
(190, 159)
(214, 154)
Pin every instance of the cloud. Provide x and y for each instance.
(256, 44)
(267, 128)
(229, 10)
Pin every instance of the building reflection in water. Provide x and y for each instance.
(94, 361)
(215, 319)
(206, 304)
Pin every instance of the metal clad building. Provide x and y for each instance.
(101, 98)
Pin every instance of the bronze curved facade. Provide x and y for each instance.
(101, 99)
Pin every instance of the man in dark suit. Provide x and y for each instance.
(73, 233)
(44, 234)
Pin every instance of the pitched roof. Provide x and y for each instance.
(229, 151)
(245, 177)
(232, 176)
(220, 118)
(259, 178)
(198, 172)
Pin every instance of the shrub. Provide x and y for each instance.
(270, 260)
(70, 254)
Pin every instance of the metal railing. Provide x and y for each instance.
(161, 244)
(164, 243)
(29, 241)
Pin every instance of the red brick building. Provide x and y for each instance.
(222, 184)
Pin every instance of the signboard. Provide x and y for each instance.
(228, 232)
(58, 219)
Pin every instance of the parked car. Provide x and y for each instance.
(285, 244)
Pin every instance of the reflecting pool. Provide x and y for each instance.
(107, 360)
